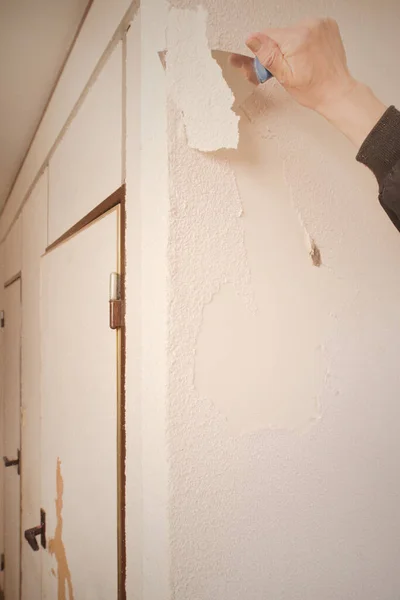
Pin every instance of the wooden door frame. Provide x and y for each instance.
(8, 284)
(116, 199)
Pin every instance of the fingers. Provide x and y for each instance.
(269, 54)
(246, 66)
(238, 60)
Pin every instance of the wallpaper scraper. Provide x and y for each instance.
(240, 72)
(261, 72)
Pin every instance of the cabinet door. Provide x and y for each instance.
(79, 416)
(12, 440)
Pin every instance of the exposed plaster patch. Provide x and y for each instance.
(196, 83)
(314, 252)
(230, 351)
(56, 545)
(245, 366)
(311, 175)
(269, 370)
(226, 346)
(207, 245)
(261, 126)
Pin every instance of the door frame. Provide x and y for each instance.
(116, 199)
(8, 284)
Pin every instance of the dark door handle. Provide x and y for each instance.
(31, 534)
(13, 462)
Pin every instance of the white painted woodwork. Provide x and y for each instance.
(79, 409)
(34, 235)
(12, 251)
(2, 350)
(86, 167)
(12, 407)
(102, 21)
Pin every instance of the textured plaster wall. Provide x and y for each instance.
(215, 126)
(283, 380)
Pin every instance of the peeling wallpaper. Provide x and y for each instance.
(195, 82)
(283, 333)
(230, 22)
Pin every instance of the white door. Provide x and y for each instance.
(79, 416)
(12, 441)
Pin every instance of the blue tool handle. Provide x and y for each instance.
(262, 73)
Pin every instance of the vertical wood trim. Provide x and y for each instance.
(124, 113)
(122, 406)
(47, 171)
(21, 454)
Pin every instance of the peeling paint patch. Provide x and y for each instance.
(314, 252)
(268, 370)
(196, 84)
(56, 545)
(240, 365)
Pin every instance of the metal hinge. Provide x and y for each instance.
(31, 534)
(13, 462)
(2, 562)
(2, 320)
(117, 313)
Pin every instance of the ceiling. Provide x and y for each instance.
(35, 37)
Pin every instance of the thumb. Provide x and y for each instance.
(269, 54)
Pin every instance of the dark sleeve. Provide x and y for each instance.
(381, 153)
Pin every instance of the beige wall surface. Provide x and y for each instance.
(283, 376)
(262, 390)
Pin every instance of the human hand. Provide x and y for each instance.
(309, 60)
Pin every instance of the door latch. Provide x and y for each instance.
(31, 534)
(13, 462)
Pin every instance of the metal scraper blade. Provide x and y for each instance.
(236, 78)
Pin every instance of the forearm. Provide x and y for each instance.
(375, 131)
(309, 60)
(355, 113)
(380, 152)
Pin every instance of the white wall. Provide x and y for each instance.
(262, 446)
(283, 378)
